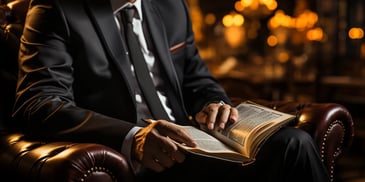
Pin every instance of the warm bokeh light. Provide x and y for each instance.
(250, 3)
(255, 4)
(197, 18)
(283, 57)
(280, 19)
(210, 19)
(272, 41)
(282, 36)
(234, 33)
(356, 33)
(227, 66)
(302, 119)
(305, 20)
(255, 8)
(315, 34)
(233, 19)
(234, 36)
(271, 4)
(238, 6)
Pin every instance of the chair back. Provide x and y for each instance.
(10, 34)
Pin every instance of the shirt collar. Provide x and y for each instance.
(117, 5)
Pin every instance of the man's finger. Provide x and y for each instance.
(176, 133)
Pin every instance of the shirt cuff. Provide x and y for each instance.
(126, 149)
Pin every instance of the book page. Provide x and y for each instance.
(253, 124)
(240, 141)
(207, 142)
(210, 146)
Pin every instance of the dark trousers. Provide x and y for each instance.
(289, 155)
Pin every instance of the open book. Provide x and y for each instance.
(240, 141)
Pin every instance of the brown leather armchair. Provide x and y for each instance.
(329, 124)
(24, 158)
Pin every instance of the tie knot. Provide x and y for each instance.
(129, 13)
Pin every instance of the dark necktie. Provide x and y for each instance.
(141, 70)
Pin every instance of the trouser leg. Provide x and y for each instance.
(289, 155)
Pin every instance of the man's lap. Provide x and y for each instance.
(274, 160)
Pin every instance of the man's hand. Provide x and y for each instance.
(217, 115)
(154, 148)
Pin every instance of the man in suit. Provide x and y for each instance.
(77, 81)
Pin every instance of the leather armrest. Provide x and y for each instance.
(27, 160)
(19, 9)
(330, 125)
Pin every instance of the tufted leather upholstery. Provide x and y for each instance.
(24, 159)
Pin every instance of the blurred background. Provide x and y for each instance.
(301, 50)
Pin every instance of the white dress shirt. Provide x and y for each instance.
(117, 5)
(148, 55)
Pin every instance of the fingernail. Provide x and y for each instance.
(222, 125)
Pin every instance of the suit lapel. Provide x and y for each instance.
(159, 39)
(160, 42)
(102, 17)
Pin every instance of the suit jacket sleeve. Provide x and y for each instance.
(45, 104)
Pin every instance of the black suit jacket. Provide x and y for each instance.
(74, 79)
